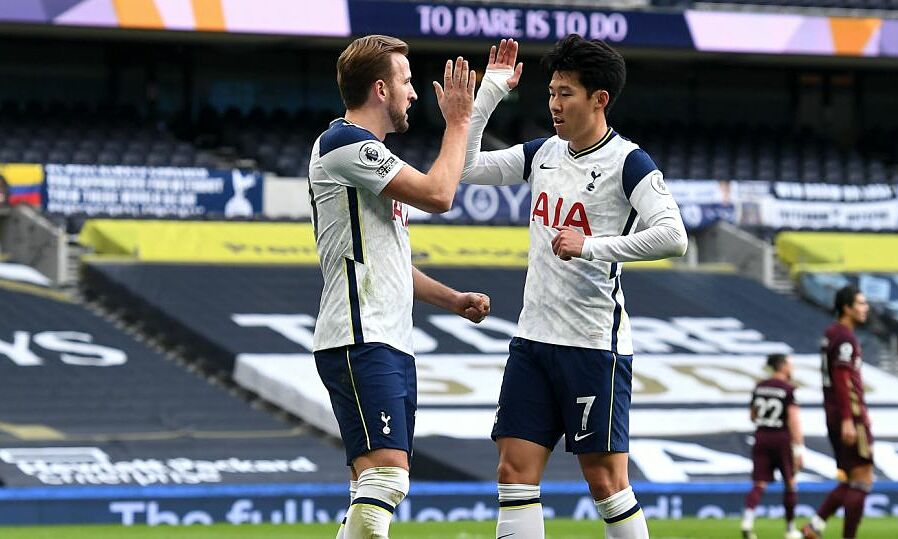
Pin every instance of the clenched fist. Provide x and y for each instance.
(472, 305)
(568, 243)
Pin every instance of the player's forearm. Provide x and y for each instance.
(431, 291)
(493, 89)
(664, 238)
(795, 435)
(445, 173)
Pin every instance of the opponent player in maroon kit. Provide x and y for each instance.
(778, 442)
(847, 420)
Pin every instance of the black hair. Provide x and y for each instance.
(844, 298)
(775, 361)
(599, 66)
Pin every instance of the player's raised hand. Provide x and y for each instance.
(473, 306)
(568, 243)
(456, 96)
(504, 57)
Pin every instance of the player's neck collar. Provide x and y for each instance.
(609, 134)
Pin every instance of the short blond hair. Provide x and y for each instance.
(365, 61)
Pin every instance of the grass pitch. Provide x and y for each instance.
(873, 528)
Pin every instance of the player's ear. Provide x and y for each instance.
(380, 89)
(601, 99)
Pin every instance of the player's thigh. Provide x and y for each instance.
(762, 462)
(862, 474)
(605, 473)
(372, 392)
(528, 409)
(786, 463)
(594, 387)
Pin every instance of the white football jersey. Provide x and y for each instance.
(579, 302)
(362, 240)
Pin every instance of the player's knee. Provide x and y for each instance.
(605, 485)
(511, 471)
(761, 484)
(379, 491)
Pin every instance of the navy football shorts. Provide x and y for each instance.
(374, 392)
(549, 390)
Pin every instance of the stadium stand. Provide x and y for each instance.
(84, 402)
(691, 328)
(55, 133)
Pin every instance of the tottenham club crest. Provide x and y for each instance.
(595, 176)
(371, 155)
(386, 420)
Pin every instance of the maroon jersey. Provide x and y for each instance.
(770, 401)
(843, 388)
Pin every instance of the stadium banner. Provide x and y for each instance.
(522, 22)
(837, 251)
(294, 243)
(702, 203)
(126, 191)
(298, 17)
(318, 503)
(815, 206)
(772, 33)
(712, 31)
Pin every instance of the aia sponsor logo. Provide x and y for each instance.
(550, 212)
(400, 213)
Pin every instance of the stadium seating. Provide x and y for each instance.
(281, 143)
(78, 135)
(76, 389)
(702, 338)
(880, 289)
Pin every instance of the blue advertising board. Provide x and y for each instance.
(326, 502)
(128, 191)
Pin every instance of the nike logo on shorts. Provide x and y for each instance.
(577, 436)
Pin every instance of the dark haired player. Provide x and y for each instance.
(847, 421)
(569, 369)
(778, 442)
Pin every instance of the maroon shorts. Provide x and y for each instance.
(850, 456)
(772, 451)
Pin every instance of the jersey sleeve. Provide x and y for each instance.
(664, 235)
(498, 167)
(841, 353)
(644, 186)
(357, 159)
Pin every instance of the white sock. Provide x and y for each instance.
(748, 519)
(520, 512)
(818, 523)
(379, 491)
(353, 487)
(790, 526)
(623, 516)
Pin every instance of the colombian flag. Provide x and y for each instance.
(24, 182)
